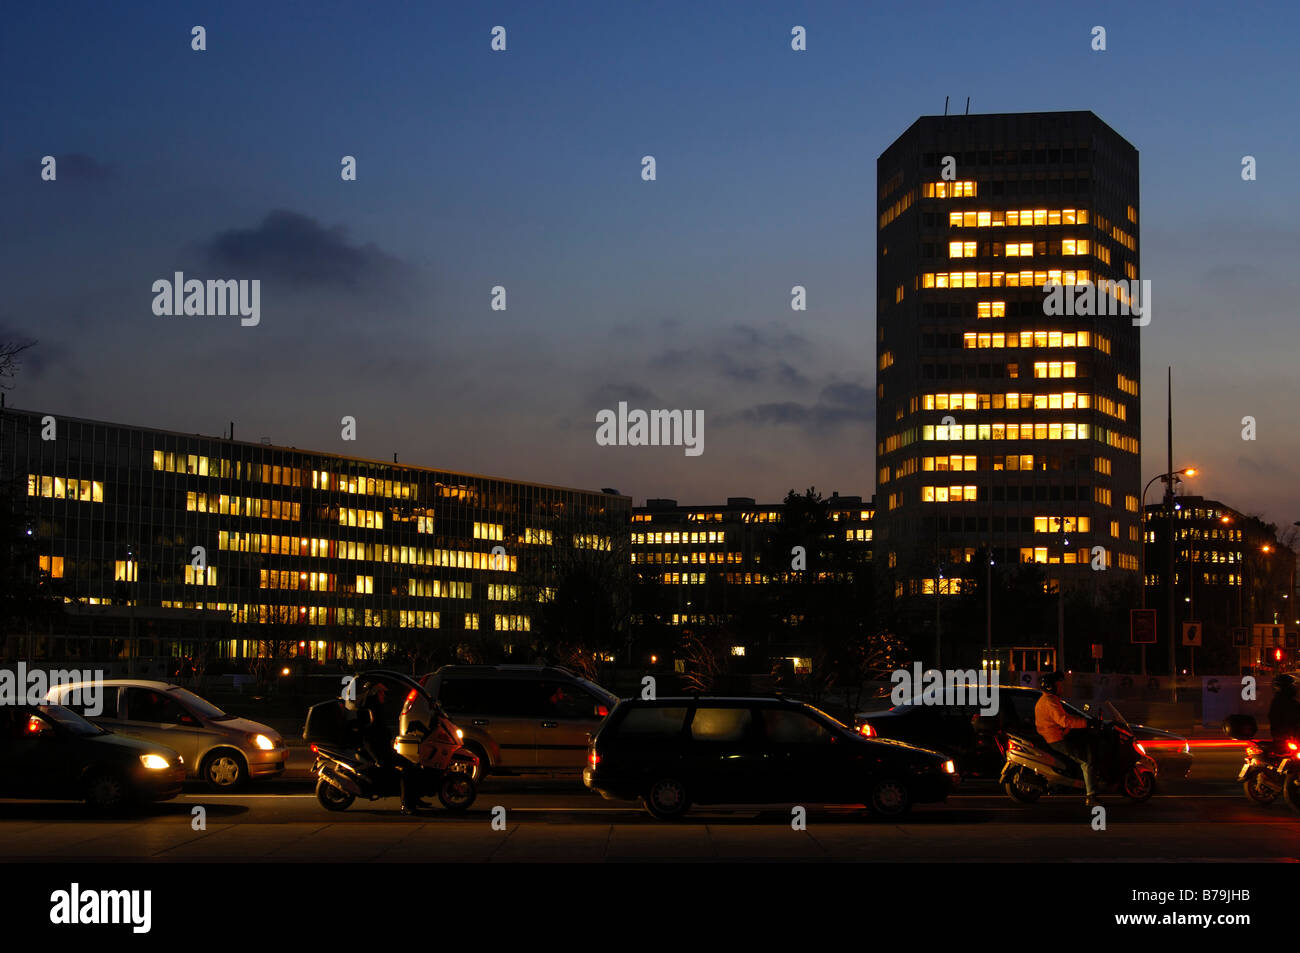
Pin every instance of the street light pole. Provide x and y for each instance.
(1169, 514)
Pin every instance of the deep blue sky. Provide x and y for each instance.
(523, 169)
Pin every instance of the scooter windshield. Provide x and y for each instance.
(1114, 714)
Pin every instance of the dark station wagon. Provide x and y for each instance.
(675, 752)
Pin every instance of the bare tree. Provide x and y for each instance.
(9, 362)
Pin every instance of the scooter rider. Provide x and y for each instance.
(377, 742)
(1284, 712)
(1066, 734)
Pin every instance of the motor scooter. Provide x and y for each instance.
(1032, 769)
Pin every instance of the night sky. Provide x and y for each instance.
(523, 169)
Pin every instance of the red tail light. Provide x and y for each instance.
(1293, 746)
(1251, 751)
(867, 731)
(33, 724)
(411, 696)
(315, 750)
(595, 758)
(602, 711)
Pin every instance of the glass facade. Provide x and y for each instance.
(979, 372)
(147, 534)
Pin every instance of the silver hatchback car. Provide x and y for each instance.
(221, 749)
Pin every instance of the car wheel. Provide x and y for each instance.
(1291, 792)
(667, 799)
(1257, 791)
(331, 798)
(1020, 790)
(889, 798)
(1139, 785)
(224, 770)
(107, 791)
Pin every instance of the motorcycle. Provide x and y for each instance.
(1032, 769)
(1271, 769)
(428, 745)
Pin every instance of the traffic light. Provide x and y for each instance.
(1277, 655)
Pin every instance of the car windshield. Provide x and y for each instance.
(599, 692)
(825, 717)
(69, 720)
(204, 709)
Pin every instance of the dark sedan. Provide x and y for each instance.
(960, 732)
(50, 753)
(675, 752)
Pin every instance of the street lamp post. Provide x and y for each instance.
(1169, 477)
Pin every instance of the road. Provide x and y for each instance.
(1204, 818)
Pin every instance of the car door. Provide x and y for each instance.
(571, 713)
(722, 762)
(156, 716)
(806, 760)
(505, 711)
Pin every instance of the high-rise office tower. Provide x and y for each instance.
(1007, 416)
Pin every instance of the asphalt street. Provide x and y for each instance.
(544, 819)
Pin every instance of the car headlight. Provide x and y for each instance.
(949, 767)
(460, 735)
(263, 742)
(154, 762)
(1138, 745)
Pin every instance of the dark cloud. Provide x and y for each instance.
(37, 358)
(818, 416)
(607, 396)
(79, 167)
(849, 395)
(300, 251)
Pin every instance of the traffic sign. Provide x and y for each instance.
(1142, 626)
(1192, 634)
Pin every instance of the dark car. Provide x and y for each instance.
(960, 732)
(48, 752)
(675, 752)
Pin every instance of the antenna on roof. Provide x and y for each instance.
(945, 105)
(394, 457)
(968, 105)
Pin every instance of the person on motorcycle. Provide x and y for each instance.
(377, 742)
(1066, 734)
(1284, 712)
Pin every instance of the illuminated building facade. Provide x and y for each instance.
(166, 538)
(1230, 572)
(725, 568)
(1001, 427)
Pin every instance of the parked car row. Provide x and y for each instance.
(145, 737)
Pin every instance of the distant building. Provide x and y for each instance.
(1231, 572)
(163, 543)
(723, 568)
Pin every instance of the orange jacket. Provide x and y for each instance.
(1052, 720)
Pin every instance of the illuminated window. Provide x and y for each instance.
(52, 566)
(126, 570)
(200, 577)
